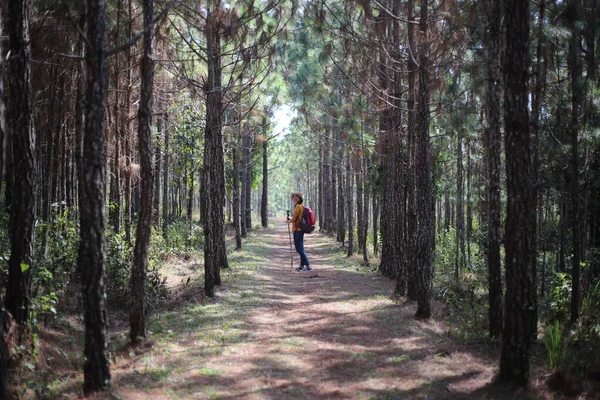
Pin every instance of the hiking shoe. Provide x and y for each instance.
(306, 269)
(300, 268)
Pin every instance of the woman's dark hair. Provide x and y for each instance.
(301, 200)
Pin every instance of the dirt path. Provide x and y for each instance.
(278, 334)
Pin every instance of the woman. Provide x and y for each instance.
(296, 220)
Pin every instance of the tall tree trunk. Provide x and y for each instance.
(215, 256)
(264, 217)
(423, 179)
(411, 213)
(350, 203)
(126, 132)
(22, 183)
(341, 215)
(236, 194)
(327, 188)
(520, 300)
(2, 121)
(157, 170)
(244, 203)
(166, 182)
(92, 247)
(493, 144)
(577, 93)
(115, 198)
(137, 317)
(459, 262)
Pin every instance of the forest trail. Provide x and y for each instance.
(274, 333)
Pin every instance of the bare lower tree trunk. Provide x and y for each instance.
(92, 247)
(423, 179)
(264, 216)
(215, 256)
(137, 316)
(157, 170)
(244, 201)
(577, 93)
(493, 151)
(21, 184)
(520, 300)
(341, 215)
(236, 196)
(459, 262)
(350, 203)
(2, 118)
(166, 182)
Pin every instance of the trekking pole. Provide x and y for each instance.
(290, 236)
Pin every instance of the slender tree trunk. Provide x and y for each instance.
(244, 203)
(157, 170)
(520, 298)
(577, 93)
(125, 130)
(350, 203)
(166, 182)
(493, 150)
(115, 207)
(327, 187)
(92, 247)
(22, 183)
(236, 195)
(3, 132)
(459, 262)
(215, 256)
(144, 226)
(265, 180)
(341, 215)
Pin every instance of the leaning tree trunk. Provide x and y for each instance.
(423, 180)
(215, 256)
(520, 299)
(137, 316)
(92, 247)
(21, 184)
(493, 149)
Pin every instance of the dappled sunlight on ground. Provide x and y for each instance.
(274, 333)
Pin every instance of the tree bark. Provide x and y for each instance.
(423, 179)
(350, 203)
(157, 171)
(3, 132)
(264, 212)
(22, 183)
(92, 247)
(577, 93)
(137, 316)
(493, 144)
(520, 300)
(166, 182)
(215, 256)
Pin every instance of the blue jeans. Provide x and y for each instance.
(299, 245)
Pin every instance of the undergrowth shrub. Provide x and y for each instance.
(181, 241)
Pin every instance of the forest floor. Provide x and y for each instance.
(273, 333)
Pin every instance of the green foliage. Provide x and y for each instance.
(554, 341)
(559, 297)
(119, 256)
(181, 239)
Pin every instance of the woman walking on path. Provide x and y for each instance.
(296, 220)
